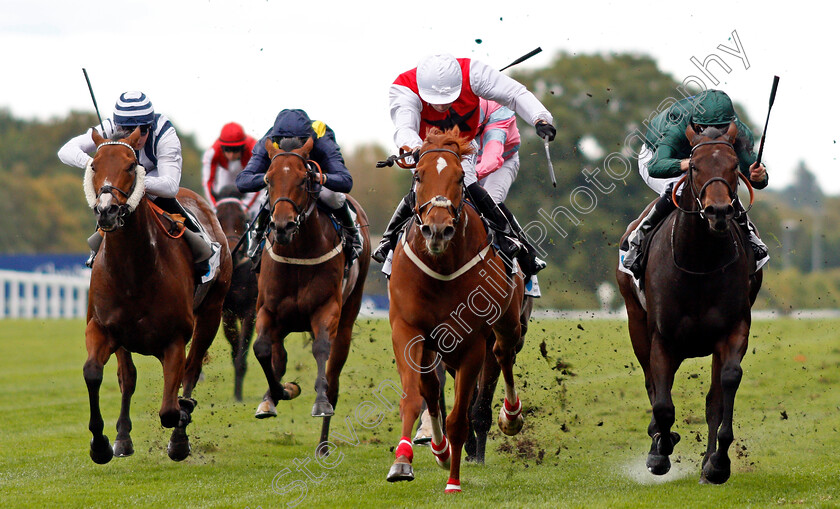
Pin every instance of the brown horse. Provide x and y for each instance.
(449, 291)
(239, 312)
(696, 301)
(141, 297)
(302, 283)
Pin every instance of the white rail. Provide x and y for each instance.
(37, 295)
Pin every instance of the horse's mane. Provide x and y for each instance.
(450, 137)
(230, 191)
(289, 144)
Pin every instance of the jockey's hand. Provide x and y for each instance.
(684, 164)
(758, 172)
(545, 130)
(409, 162)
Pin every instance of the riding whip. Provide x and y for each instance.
(550, 166)
(94, 101)
(523, 58)
(764, 133)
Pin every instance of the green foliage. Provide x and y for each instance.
(583, 445)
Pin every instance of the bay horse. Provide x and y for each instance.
(449, 290)
(239, 312)
(141, 297)
(696, 301)
(302, 283)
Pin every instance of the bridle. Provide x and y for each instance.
(440, 201)
(311, 188)
(132, 197)
(698, 195)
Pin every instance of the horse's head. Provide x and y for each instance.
(114, 181)
(439, 186)
(713, 174)
(293, 184)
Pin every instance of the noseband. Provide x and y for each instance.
(441, 201)
(126, 208)
(698, 195)
(312, 189)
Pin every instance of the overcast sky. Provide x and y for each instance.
(205, 63)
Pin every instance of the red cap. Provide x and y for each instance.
(232, 135)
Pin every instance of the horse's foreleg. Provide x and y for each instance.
(662, 369)
(714, 407)
(510, 415)
(456, 422)
(204, 332)
(408, 352)
(339, 351)
(231, 329)
(172, 415)
(270, 339)
(324, 331)
(240, 362)
(127, 375)
(717, 469)
(98, 353)
(430, 390)
(481, 410)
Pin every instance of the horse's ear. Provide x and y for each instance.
(456, 131)
(307, 147)
(270, 147)
(691, 134)
(732, 132)
(97, 139)
(134, 136)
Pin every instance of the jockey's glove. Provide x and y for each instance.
(545, 130)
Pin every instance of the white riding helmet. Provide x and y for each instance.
(439, 79)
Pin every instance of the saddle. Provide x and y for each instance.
(645, 247)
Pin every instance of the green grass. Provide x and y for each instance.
(584, 442)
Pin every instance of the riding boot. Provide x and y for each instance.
(255, 236)
(632, 260)
(528, 256)
(352, 237)
(759, 248)
(389, 238)
(505, 237)
(200, 244)
(94, 242)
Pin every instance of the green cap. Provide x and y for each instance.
(713, 107)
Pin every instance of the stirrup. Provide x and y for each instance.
(89, 261)
(382, 250)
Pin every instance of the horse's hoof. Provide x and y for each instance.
(716, 474)
(509, 427)
(266, 409)
(322, 409)
(658, 464)
(100, 450)
(291, 389)
(179, 445)
(123, 448)
(453, 486)
(478, 460)
(400, 472)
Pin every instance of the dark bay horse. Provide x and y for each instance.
(697, 297)
(302, 287)
(239, 312)
(141, 297)
(449, 291)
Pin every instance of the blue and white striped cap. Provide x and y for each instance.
(132, 109)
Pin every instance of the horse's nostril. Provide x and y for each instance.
(426, 231)
(290, 226)
(709, 211)
(730, 210)
(448, 232)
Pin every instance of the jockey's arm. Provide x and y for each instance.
(252, 178)
(76, 152)
(207, 176)
(405, 113)
(491, 84)
(666, 163)
(166, 178)
(328, 155)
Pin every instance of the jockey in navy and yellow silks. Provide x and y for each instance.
(295, 123)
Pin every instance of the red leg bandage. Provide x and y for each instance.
(404, 448)
(513, 410)
(441, 451)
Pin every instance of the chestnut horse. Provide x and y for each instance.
(239, 312)
(141, 297)
(302, 283)
(696, 300)
(449, 291)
